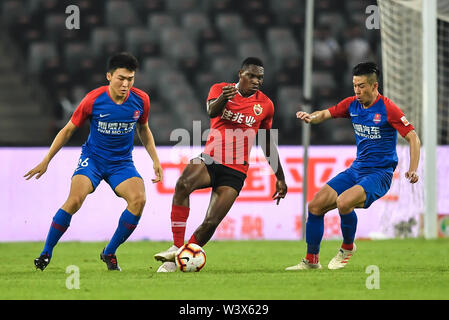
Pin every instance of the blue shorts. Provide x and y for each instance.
(113, 173)
(375, 181)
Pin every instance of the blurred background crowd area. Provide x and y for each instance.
(183, 47)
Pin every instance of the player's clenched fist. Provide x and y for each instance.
(304, 116)
(412, 176)
(229, 92)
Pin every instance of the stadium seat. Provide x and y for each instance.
(288, 103)
(195, 23)
(226, 68)
(75, 54)
(155, 67)
(55, 26)
(177, 7)
(160, 21)
(162, 126)
(215, 49)
(120, 14)
(228, 24)
(38, 54)
(252, 49)
(140, 41)
(103, 38)
(203, 82)
(11, 10)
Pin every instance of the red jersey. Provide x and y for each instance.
(233, 132)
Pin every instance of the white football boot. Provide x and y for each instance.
(341, 259)
(167, 267)
(304, 265)
(167, 255)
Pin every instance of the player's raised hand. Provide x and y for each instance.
(281, 191)
(159, 173)
(39, 170)
(229, 92)
(301, 115)
(412, 176)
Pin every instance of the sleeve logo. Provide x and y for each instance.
(405, 121)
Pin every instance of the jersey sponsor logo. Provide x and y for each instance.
(405, 121)
(353, 114)
(115, 128)
(104, 115)
(238, 117)
(370, 132)
(377, 118)
(257, 109)
(136, 115)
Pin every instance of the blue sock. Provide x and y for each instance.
(61, 221)
(314, 233)
(126, 225)
(348, 223)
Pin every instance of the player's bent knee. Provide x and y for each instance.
(73, 204)
(183, 186)
(137, 201)
(316, 208)
(344, 206)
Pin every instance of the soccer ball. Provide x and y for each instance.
(190, 257)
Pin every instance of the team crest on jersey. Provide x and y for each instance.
(257, 109)
(136, 115)
(377, 118)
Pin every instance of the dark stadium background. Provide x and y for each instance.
(183, 46)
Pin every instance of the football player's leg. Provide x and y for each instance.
(324, 201)
(194, 176)
(350, 199)
(133, 191)
(222, 199)
(80, 187)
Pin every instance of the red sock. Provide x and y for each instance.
(313, 258)
(179, 215)
(193, 239)
(347, 246)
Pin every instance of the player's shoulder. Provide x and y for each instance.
(349, 100)
(95, 93)
(387, 102)
(140, 93)
(390, 107)
(262, 96)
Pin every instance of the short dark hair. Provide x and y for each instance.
(122, 60)
(366, 69)
(251, 60)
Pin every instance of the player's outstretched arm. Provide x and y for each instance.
(314, 117)
(415, 146)
(272, 154)
(60, 140)
(147, 139)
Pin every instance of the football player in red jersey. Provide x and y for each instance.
(237, 112)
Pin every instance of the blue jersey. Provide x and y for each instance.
(112, 125)
(375, 130)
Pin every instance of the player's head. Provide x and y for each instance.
(121, 71)
(366, 82)
(251, 75)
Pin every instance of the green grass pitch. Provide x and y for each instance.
(235, 270)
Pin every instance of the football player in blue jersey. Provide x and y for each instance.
(115, 111)
(376, 121)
